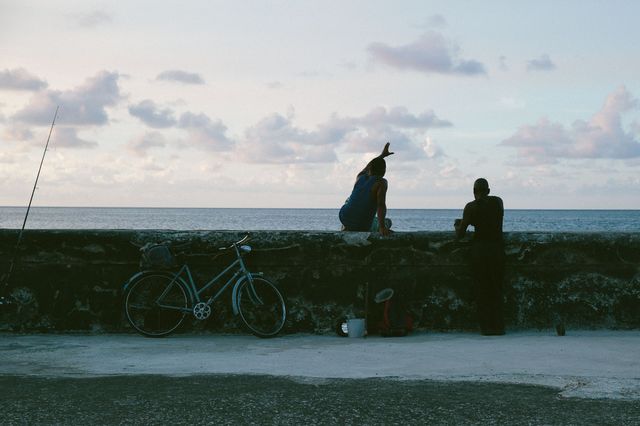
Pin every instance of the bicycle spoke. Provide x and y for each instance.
(261, 307)
(156, 305)
(140, 307)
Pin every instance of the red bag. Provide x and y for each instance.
(396, 321)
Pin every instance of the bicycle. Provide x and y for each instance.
(156, 302)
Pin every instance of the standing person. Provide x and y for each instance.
(485, 213)
(367, 198)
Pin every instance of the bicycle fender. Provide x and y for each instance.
(132, 279)
(236, 286)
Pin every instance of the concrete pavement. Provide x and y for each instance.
(583, 364)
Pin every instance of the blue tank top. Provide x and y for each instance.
(358, 211)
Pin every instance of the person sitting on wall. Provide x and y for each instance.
(485, 214)
(367, 198)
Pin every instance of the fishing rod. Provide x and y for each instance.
(3, 299)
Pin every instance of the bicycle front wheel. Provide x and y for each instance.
(261, 307)
(156, 304)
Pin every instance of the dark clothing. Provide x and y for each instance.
(487, 266)
(358, 211)
(485, 214)
(487, 261)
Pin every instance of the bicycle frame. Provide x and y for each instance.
(241, 273)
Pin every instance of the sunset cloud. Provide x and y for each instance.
(92, 19)
(142, 144)
(543, 63)
(67, 137)
(181, 77)
(602, 136)
(84, 105)
(277, 139)
(401, 117)
(152, 115)
(436, 21)
(431, 53)
(17, 133)
(431, 148)
(396, 125)
(205, 133)
(20, 79)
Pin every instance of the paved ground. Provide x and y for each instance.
(588, 377)
(160, 400)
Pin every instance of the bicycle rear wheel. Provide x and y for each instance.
(156, 304)
(261, 307)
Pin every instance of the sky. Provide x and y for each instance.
(282, 103)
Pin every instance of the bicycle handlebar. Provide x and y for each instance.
(243, 240)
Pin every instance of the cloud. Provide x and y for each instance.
(436, 21)
(395, 125)
(541, 143)
(277, 139)
(203, 132)
(348, 65)
(511, 103)
(370, 139)
(274, 85)
(67, 137)
(84, 105)
(151, 115)
(502, 63)
(17, 133)
(7, 158)
(181, 77)
(431, 53)
(400, 117)
(92, 19)
(431, 149)
(20, 79)
(602, 136)
(143, 143)
(314, 74)
(543, 63)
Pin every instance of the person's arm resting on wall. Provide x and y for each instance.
(461, 225)
(381, 201)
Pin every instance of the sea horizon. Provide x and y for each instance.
(309, 208)
(310, 219)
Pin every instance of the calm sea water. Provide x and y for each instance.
(304, 219)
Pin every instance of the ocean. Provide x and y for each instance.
(304, 219)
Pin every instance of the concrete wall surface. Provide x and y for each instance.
(67, 280)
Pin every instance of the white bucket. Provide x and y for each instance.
(355, 327)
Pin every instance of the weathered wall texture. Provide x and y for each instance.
(72, 280)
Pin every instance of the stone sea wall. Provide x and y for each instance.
(71, 280)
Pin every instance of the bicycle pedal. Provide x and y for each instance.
(201, 311)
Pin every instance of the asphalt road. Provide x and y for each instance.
(253, 399)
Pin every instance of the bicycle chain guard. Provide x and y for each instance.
(201, 311)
